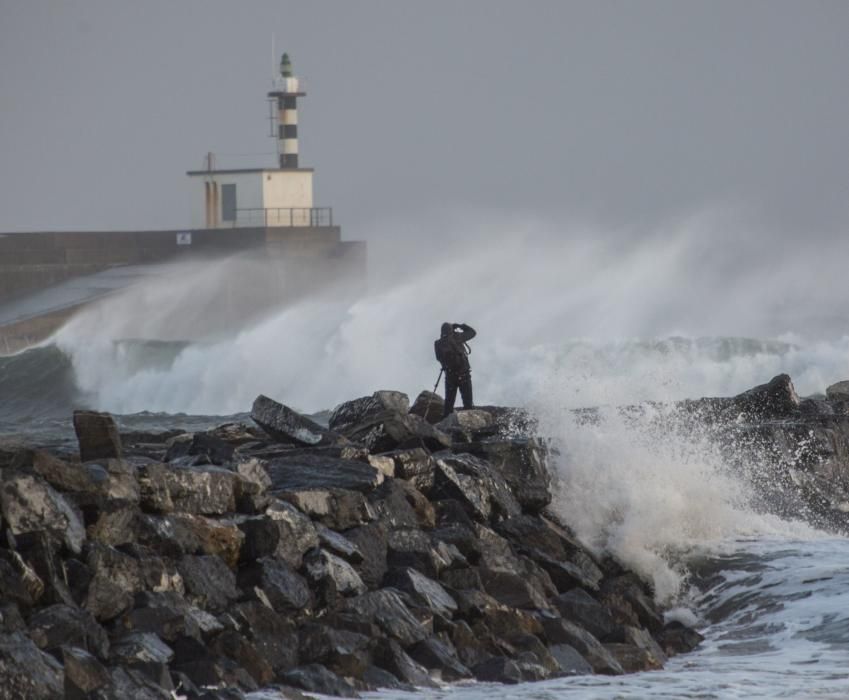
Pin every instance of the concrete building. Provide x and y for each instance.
(267, 212)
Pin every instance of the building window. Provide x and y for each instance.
(228, 203)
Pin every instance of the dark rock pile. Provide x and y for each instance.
(381, 551)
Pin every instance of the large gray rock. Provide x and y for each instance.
(351, 413)
(84, 674)
(26, 672)
(468, 425)
(838, 391)
(312, 472)
(440, 656)
(483, 492)
(560, 631)
(209, 583)
(775, 399)
(284, 588)
(414, 465)
(272, 634)
(522, 464)
(372, 541)
(390, 656)
(63, 625)
(98, 435)
(429, 406)
(29, 504)
(338, 509)
(580, 607)
(297, 534)
(117, 578)
(386, 608)
(395, 431)
(424, 591)
(19, 583)
(202, 490)
(342, 651)
(288, 426)
(323, 567)
(315, 678)
(232, 645)
(570, 662)
(400, 504)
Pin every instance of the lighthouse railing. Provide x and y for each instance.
(305, 217)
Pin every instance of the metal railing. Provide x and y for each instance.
(285, 216)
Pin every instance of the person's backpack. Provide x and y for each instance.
(451, 355)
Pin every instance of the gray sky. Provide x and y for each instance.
(617, 113)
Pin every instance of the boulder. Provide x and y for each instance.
(569, 661)
(838, 391)
(144, 652)
(389, 655)
(235, 646)
(382, 679)
(297, 534)
(128, 683)
(322, 567)
(372, 542)
(97, 435)
(209, 583)
(284, 588)
(342, 651)
(498, 669)
(167, 535)
(202, 490)
(440, 656)
(272, 634)
(560, 631)
(395, 431)
(522, 464)
(339, 544)
(115, 581)
(634, 593)
(27, 672)
(223, 539)
(315, 678)
(400, 504)
(288, 426)
(414, 548)
(154, 492)
(84, 674)
(206, 447)
(62, 625)
(351, 413)
(414, 465)
(467, 425)
(386, 608)
(775, 399)
(428, 406)
(580, 607)
(115, 524)
(338, 509)
(424, 591)
(310, 472)
(483, 492)
(632, 658)
(30, 504)
(169, 616)
(676, 638)
(514, 588)
(18, 581)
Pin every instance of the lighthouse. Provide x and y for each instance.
(284, 102)
(278, 196)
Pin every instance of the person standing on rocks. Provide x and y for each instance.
(453, 354)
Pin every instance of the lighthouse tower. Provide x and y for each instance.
(284, 102)
(279, 196)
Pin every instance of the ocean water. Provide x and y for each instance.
(561, 326)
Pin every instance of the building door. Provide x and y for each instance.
(228, 203)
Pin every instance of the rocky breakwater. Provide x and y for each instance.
(387, 550)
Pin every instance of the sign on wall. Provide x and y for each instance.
(184, 238)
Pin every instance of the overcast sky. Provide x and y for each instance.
(617, 113)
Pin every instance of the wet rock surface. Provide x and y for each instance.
(394, 550)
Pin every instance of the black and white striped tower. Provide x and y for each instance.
(287, 90)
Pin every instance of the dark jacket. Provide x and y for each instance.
(451, 350)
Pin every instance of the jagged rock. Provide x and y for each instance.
(321, 565)
(41, 554)
(128, 683)
(310, 472)
(202, 490)
(61, 475)
(210, 448)
(428, 406)
(640, 638)
(440, 656)
(632, 591)
(339, 544)
(676, 638)
(389, 655)
(383, 464)
(209, 583)
(315, 678)
(514, 588)
(424, 591)
(570, 662)
(342, 651)
(413, 548)
(63, 625)
(350, 413)
(18, 580)
(482, 491)
(560, 631)
(382, 679)
(30, 504)
(470, 649)
(272, 634)
(288, 426)
(84, 674)
(498, 669)
(534, 654)
(154, 493)
(632, 658)
(473, 603)
(400, 504)
(394, 431)
(97, 435)
(522, 464)
(838, 391)
(285, 589)
(27, 672)
(168, 535)
(144, 652)
(775, 399)
(169, 616)
(386, 608)
(338, 509)
(297, 533)
(254, 471)
(234, 646)
(372, 541)
(217, 538)
(115, 581)
(467, 425)
(460, 579)
(414, 465)
(580, 607)
(115, 524)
